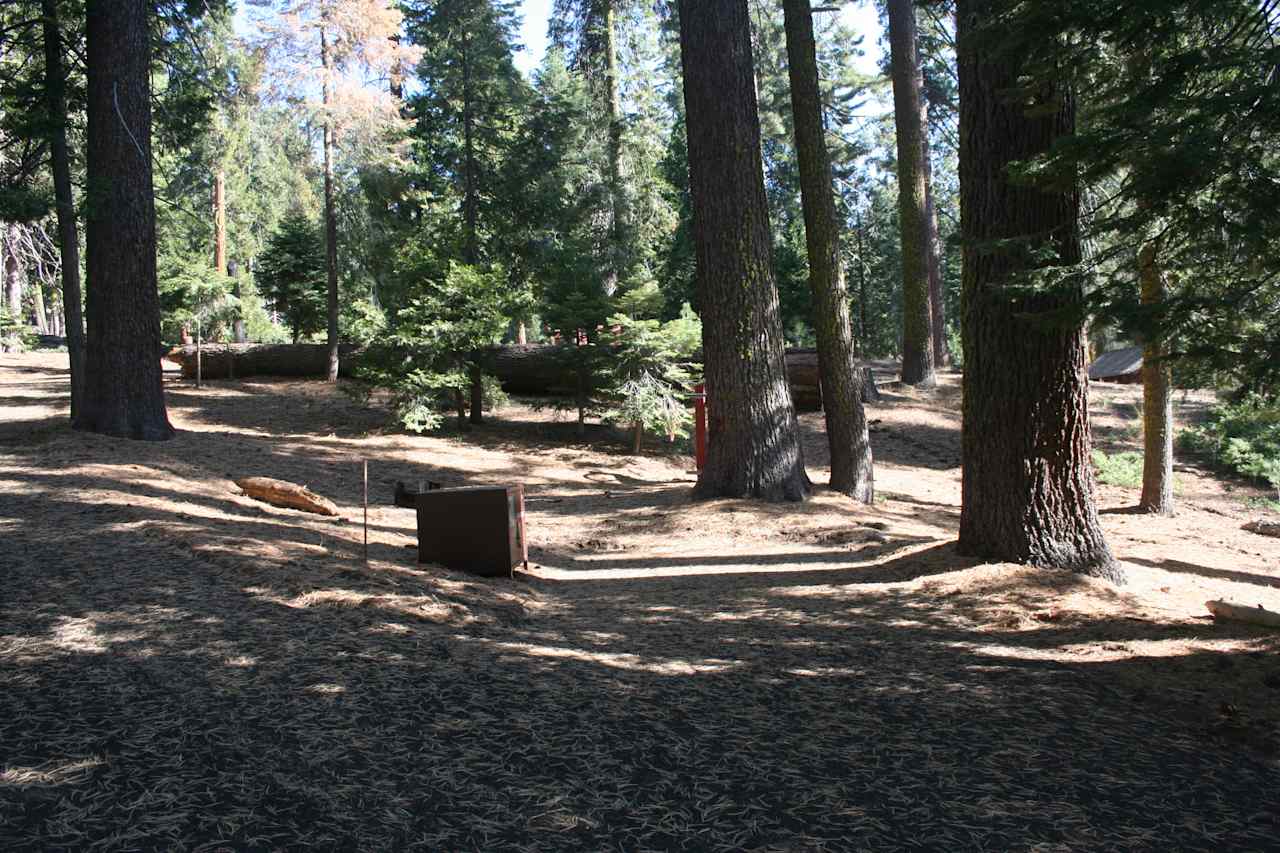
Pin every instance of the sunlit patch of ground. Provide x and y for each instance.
(183, 666)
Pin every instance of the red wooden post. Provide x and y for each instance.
(700, 424)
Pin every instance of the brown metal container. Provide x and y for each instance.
(476, 529)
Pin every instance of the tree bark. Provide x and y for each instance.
(753, 439)
(238, 333)
(1157, 399)
(13, 274)
(1027, 483)
(470, 206)
(220, 222)
(123, 387)
(41, 315)
(917, 322)
(937, 303)
(613, 106)
(841, 382)
(470, 191)
(330, 213)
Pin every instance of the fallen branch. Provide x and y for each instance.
(1264, 528)
(1240, 613)
(286, 494)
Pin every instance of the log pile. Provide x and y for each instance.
(521, 368)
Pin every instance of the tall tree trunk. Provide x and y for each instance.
(123, 385)
(42, 316)
(937, 304)
(220, 222)
(330, 213)
(613, 106)
(1027, 483)
(841, 381)
(1157, 397)
(470, 190)
(13, 273)
(238, 333)
(863, 327)
(917, 322)
(470, 207)
(753, 437)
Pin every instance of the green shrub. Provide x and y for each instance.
(1119, 469)
(1243, 437)
(651, 373)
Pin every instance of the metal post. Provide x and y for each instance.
(366, 510)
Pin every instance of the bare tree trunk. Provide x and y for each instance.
(330, 213)
(470, 206)
(613, 104)
(123, 385)
(1027, 482)
(1157, 397)
(937, 303)
(917, 322)
(238, 333)
(841, 382)
(13, 273)
(753, 437)
(220, 222)
(42, 316)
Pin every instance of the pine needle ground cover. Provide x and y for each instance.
(184, 668)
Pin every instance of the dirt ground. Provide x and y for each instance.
(184, 667)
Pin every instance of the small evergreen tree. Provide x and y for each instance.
(434, 351)
(291, 274)
(650, 373)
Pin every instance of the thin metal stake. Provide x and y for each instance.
(366, 510)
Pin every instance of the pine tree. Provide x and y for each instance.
(292, 274)
(1027, 483)
(917, 328)
(753, 438)
(329, 45)
(123, 392)
(851, 467)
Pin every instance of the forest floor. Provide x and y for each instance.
(184, 667)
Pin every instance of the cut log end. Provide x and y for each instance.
(285, 494)
(1242, 613)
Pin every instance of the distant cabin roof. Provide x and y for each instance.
(1118, 362)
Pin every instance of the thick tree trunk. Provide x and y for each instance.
(753, 438)
(1157, 397)
(123, 390)
(613, 106)
(330, 214)
(851, 465)
(1027, 483)
(917, 322)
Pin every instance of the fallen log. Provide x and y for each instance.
(1264, 528)
(1239, 613)
(520, 368)
(223, 361)
(286, 494)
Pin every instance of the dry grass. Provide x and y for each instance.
(184, 668)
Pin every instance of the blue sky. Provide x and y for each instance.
(533, 33)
